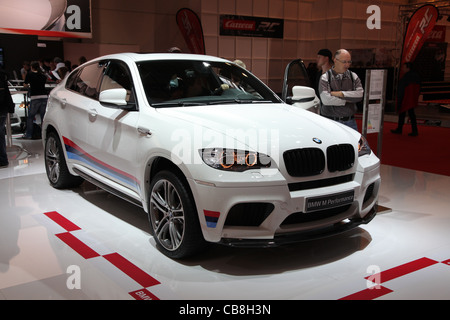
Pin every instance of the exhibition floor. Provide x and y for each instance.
(87, 244)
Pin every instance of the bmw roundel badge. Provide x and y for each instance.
(317, 140)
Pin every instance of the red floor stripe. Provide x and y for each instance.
(63, 222)
(77, 245)
(131, 270)
(143, 294)
(402, 270)
(368, 294)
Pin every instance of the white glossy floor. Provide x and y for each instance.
(87, 244)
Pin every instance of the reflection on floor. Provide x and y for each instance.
(87, 244)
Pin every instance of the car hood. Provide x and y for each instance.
(258, 126)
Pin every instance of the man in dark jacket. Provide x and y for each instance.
(6, 106)
(35, 80)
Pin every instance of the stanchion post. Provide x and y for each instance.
(383, 105)
(366, 104)
(8, 131)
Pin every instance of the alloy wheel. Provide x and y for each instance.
(167, 215)
(52, 160)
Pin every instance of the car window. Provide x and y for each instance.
(116, 76)
(191, 82)
(72, 79)
(86, 80)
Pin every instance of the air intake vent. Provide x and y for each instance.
(249, 214)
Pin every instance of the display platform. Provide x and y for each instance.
(88, 244)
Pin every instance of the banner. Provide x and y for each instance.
(47, 18)
(191, 29)
(244, 26)
(419, 28)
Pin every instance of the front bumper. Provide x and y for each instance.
(314, 234)
(279, 214)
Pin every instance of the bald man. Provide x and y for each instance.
(340, 89)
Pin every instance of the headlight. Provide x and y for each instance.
(363, 147)
(234, 160)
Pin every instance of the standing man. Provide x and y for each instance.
(6, 106)
(35, 80)
(340, 89)
(324, 62)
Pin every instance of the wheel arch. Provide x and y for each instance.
(158, 164)
(52, 129)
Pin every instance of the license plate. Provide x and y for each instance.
(329, 201)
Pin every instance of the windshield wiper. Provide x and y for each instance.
(238, 101)
(170, 104)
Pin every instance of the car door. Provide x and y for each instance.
(112, 133)
(296, 76)
(79, 95)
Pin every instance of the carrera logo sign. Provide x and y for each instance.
(244, 26)
(419, 28)
(239, 25)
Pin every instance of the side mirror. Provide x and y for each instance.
(116, 96)
(302, 92)
(305, 98)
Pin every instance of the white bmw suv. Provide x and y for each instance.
(209, 152)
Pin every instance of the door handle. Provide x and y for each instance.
(144, 131)
(93, 113)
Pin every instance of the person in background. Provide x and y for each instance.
(68, 65)
(62, 72)
(174, 50)
(81, 60)
(324, 62)
(340, 89)
(6, 106)
(55, 73)
(407, 98)
(35, 80)
(240, 63)
(25, 69)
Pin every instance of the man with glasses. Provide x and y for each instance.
(340, 89)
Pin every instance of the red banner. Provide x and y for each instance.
(419, 28)
(191, 29)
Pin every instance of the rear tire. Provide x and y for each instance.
(173, 217)
(55, 165)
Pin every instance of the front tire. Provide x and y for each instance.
(55, 165)
(173, 217)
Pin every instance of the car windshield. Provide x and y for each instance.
(172, 83)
